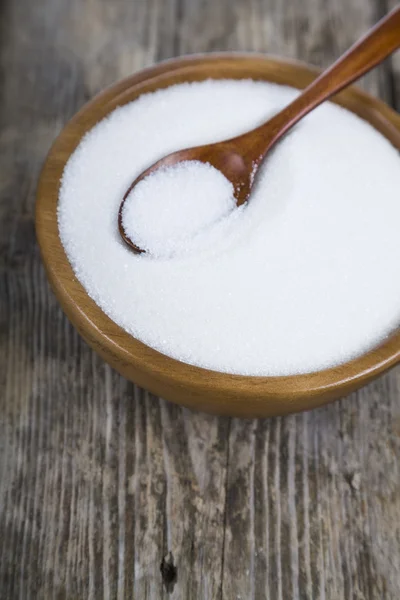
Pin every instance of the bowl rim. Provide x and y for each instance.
(121, 348)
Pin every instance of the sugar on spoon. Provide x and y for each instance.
(239, 158)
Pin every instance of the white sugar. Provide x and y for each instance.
(303, 277)
(167, 208)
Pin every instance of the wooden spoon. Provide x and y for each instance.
(239, 158)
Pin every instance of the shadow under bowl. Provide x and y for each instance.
(191, 386)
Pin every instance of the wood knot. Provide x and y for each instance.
(169, 572)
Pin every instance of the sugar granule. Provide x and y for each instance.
(303, 277)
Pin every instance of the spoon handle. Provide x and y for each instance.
(364, 55)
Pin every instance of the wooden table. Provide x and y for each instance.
(101, 483)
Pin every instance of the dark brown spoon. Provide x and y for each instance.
(239, 158)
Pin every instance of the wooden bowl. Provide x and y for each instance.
(184, 384)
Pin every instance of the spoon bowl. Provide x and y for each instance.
(224, 157)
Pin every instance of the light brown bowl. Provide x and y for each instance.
(191, 386)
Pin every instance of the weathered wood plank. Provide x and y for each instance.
(99, 481)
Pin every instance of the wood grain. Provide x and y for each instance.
(100, 480)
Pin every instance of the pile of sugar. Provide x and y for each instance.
(166, 209)
(303, 277)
